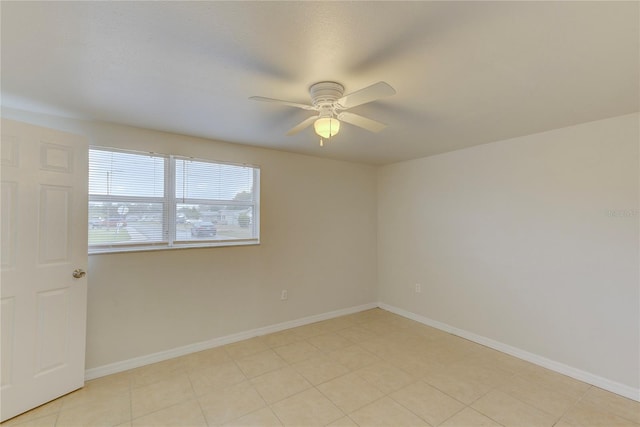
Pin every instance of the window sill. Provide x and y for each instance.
(101, 250)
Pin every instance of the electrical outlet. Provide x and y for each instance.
(284, 295)
(418, 288)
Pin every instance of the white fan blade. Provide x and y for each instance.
(306, 123)
(363, 122)
(278, 101)
(368, 94)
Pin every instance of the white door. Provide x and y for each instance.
(44, 239)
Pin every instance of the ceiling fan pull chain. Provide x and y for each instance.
(321, 143)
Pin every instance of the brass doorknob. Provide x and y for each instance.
(78, 273)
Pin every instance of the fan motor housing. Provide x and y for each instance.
(325, 94)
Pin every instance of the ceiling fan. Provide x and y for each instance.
(328, 100)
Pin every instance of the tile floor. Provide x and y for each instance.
(372, 368)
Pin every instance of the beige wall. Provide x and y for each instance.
(514, 241)
(511, 240)
(318, 233)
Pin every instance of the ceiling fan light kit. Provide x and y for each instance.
(326, 127)
(328, 100)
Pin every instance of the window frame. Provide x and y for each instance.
(170, 206)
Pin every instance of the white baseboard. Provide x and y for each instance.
(606, 384)
(136, 362)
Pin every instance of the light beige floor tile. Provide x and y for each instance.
(160, 395)
(443, 355)
(429, 333)
(328, 342)
(483, 375)
(308, 331)
(584, 414)
(156, 372)
(416, 365)
(512, 390)
(350, 392)
(460, 345)
(297, 352)
(46, 421)
(180, 415)
(281, 338)
(385, 377)
(509, 411)
(320, 369)
(115, 382)
(504, 362)
(343, 422)
(206, 358)
(554, 380)
(472, 362)
(48, 409)
(260, 363)
(612, 403)
(207, 379)
(403, 322)
(353, 357)
(426, 346)
(427, 402)
(549, 400)
(261, 418)
(308, 408)
(470, 418)
(101, 388)
(88, 396)
(277, 385)
(245, 348)
(418, 330)
(380, 327)
(466, 390)
(482, 352)
(230, 403)
(356, 334)
(98, 413)
(336, 324)
(386, 412)
(409, 341)
(381, 347)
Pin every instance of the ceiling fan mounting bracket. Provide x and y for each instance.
(325, 94)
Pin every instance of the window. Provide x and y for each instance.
(142, 201)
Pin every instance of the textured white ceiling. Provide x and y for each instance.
(466, 73)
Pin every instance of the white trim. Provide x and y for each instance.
(604, 383)
(136, 362)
